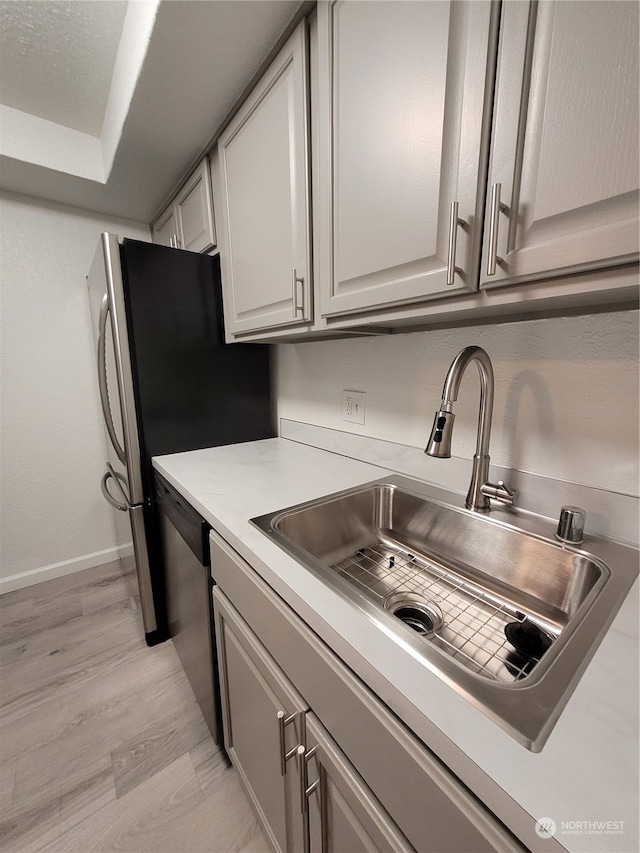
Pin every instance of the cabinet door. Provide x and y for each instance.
(165, 229)
(343, 815)
(565, 141)
(264, 199)
(402, 151)
(263, 720)
(194, 211)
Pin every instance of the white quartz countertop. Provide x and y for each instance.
(586, 776)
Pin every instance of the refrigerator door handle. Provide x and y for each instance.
(102, 379)
(123, 504)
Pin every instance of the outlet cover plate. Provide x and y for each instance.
(353, 406)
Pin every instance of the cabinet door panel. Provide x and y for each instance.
(402, 93)
(165, 230)
(344, 816)
(253, 691)
(565, 143)
(264, 197)
(195, 212)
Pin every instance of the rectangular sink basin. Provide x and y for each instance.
(489, 602)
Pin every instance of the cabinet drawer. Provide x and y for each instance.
(434, 810)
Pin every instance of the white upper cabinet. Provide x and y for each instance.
(401, 154)
(262, 190)
(165, 230)
(194, 210)
(187, 223)
(563, 175)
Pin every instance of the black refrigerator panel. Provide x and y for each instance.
(192, 389)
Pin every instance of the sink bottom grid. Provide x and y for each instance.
(474, 621)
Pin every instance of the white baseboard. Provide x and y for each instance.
(67, 567)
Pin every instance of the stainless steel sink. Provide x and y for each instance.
(505, 615)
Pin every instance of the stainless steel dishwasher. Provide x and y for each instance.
(187, 563)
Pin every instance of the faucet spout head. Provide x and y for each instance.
(439, 444)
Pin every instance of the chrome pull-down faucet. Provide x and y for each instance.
(480, 490)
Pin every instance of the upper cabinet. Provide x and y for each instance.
(563, 175)
(262, 193)
(402, 164)
(165, 229)
(455, 147)
(194, 210)
(187, 223)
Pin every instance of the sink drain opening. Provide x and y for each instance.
(417, 612)
(416, 619)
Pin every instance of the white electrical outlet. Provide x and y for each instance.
(353, 404)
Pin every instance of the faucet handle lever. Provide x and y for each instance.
(500, 492)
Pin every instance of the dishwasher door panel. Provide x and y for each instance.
(190, 611)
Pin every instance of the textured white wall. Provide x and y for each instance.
(566, 397)
(53, 445)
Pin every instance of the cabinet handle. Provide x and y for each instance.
(302, 776)
(454, 221)
(496, 207)
(298, 306)
(306, 790)
(284, 721)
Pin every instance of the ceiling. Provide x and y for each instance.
(47, 48)
(104, 104)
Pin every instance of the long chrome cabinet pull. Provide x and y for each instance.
(284, 721)
(496, 207)
(454, 221)
(306, 790)
(298, 306)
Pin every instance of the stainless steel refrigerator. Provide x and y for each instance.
(168, 383)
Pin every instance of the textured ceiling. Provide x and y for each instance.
(200, 57)
(57, 58)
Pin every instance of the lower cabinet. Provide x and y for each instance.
(263, 719)
(306, 792)
(328, 767)
(341, 813)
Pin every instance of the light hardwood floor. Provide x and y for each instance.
(102, 744)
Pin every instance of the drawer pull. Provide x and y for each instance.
(283, 722)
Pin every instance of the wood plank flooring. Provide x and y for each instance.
(102, 744)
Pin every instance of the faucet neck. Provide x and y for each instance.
(439, 444)
(476, 500)
(452, 384)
